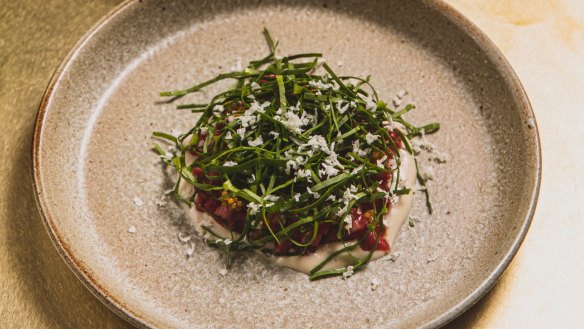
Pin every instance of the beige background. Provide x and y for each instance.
(543, 40)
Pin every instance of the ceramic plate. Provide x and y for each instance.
(93, 157)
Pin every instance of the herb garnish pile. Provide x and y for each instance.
(289, 159)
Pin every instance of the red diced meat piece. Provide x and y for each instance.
(368, 243)
(359, 222)
(223, 211)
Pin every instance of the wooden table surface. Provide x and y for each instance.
(542, 288)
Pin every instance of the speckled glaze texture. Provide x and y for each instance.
(92, 157)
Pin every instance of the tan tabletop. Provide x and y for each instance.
(544, 285)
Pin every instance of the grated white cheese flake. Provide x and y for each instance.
(357, 170)
(223, 272)
(271, 197)
(297, 197)
(370, 104)
(370, 138)
(342, 109)
(304, 173)
(257, 142)
(254, 207)
(254, 86)
(347, 274)
(138, 202)
(316, 195)
(241, 132)
(320, 85)
(328, 170)
(228, 136)
(348, 222)
(374, 283)
(381, 162)
(132, 229)
(190, 250)
(218, 109)
(229, 164)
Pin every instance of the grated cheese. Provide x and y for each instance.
(258, 141)
(370, 138)
(138, 202)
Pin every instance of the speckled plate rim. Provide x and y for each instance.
(122, 310)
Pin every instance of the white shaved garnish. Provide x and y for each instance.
(190, 250)
(254, 86)
(223, 272)
(229, 164)
(295, 122)
(357, 170)
(320, 85)
(342, 109)
(328, 170)
(374, 283)
(370, 104)
(316, 195)
(381, 162)
(331, 197)
(348, 195)
(132, 229)
(257, 107)
(228, 136)
(272, 198)
(347, 274)
(218, 109)
(274, 133)
(253, 208)
(304, 173)
(348, 220)
(138, 202)
(257, 142)
(297, 197)
(370, 138)
(394, 256)
(227, 242)
(241, 132)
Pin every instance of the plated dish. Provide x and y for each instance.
(101, 191)
(297, 162)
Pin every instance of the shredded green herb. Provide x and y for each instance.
(284, 157)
